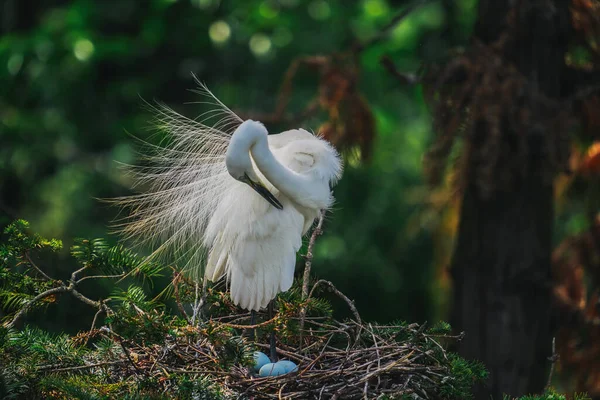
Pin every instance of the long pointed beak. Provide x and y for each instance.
(264, 192)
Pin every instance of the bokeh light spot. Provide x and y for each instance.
(260, 44)
(83, 49)
(319, 10)
(219, 32)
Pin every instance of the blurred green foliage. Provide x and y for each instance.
(73, 75)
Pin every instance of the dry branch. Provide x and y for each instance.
(309, 255)
(307, 267)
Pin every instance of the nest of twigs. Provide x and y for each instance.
(336, 360)
(374, 365)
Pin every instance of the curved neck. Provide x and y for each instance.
(291, 184)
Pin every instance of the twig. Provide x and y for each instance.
(259, 325)
(77, 272)
(99, 277)
(198, 302)
(52, 368)
(28, 257)
(309, 255)
(343, 297)
(307, 267)
(288, 354)
(125, 350)
(86, 300)
(378, 355)
(383, 33)
(100, 309)
(340, 295)
(176, 278)
(203, 297)
(553, 358)
(190, 371)
(280, 391)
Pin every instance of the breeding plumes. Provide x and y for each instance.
(229, 200)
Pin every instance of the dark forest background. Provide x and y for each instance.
(491, 101)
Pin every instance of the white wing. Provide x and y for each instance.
(184, 181)
(255, 246)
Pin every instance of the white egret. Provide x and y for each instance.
(231, 189)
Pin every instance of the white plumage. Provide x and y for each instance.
(204, 193)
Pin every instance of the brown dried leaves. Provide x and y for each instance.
(576, 267)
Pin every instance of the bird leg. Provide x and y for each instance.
(272, 343)
(251, 333)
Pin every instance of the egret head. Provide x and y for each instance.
(239, 166)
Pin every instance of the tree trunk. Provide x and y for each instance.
(501, 263)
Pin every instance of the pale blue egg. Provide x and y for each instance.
(271, 369)
(289, 366)
(260, 359)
